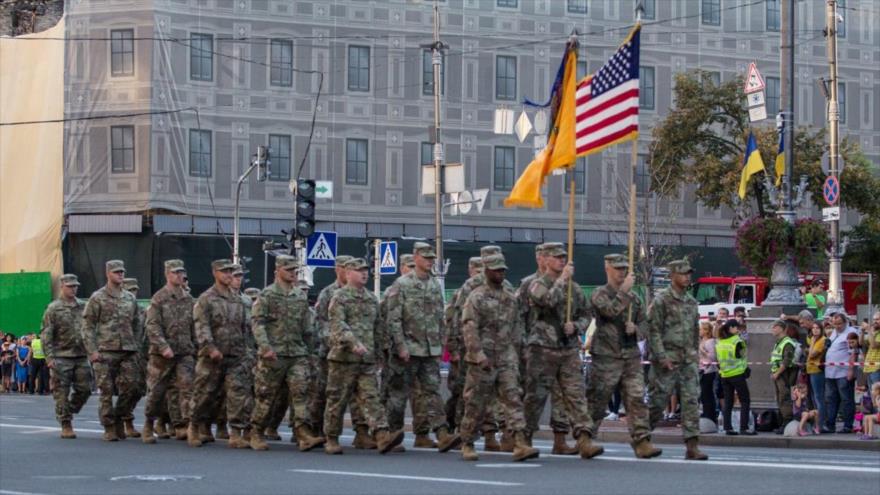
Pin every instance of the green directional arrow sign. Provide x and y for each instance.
(324, 189)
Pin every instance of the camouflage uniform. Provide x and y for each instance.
(221, 324)
(109, 327)
(170, 326)
(673, 326)
(455, 377)
(131, 285)
(63, 344)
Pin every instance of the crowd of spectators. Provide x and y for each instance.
(23, 365)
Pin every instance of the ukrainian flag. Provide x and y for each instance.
(753, 164)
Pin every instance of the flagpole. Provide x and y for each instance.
(634, 156)
(571, 192)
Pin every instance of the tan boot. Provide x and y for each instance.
(507, 441)
(490, 443)
(362, 439)
(587, 448)
(560, 447)
(180, 432)
(147, 435)
(222, 431)
(387, 440)
(246, 434)
(258, 442)
(424, 442)
(521, 448)
(161, 431)
(447, 441)
(272, 434)
(110, 434)
(130, 431)
(645, 450)
(236, 440)
(468, 453)
(332, 446)
(205, 435)
(120, 429)
(67, 430)
(192, 435)
(693, 452)
(308, 441)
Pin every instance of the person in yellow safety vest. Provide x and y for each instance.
(733, 369)
(783, 369)
(38, 373)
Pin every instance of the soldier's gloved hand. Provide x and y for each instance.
(269, 355)
(95, 357)
(216, 355)
(168, 353)
(628, 282)
(631, 328)
(403, 354)
(359, 349)
(569, 328)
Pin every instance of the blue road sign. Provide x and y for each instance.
(388, 253)
(321, 250)
(831, 190)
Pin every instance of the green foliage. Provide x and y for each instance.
(761, 242)
(863, 253)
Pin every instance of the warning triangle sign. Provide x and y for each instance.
(321, 250)
(754, 81)
(388, 260)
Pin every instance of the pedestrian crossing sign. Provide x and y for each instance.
(321, 250)
(388, 258)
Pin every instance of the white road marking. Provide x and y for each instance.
(404, 477)
(512, 465)
(13, 492)
(46, 428)
(815, 467)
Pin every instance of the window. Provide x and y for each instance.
(279, 168)
(201, 57)
(428, 73)
(427, 154)
(122, 149)
(358, 68)
(505, 167)
(650, 9)
(772, 8)
(841, 101)
(646, 88)
(508, 4)
(356, 161)
(505, 77)
(581, 70)
(643, 177)
(580, 177)
(577, 6)
(199, 153)
(711, 12)
(122, 52)
(841, 26)
(715, 77)
(772, 96)
(281, 63)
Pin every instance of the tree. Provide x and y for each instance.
(863, 252)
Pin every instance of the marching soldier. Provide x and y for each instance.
(109, 331)
(674, 338)
(455, 378)
(66, 354)
(131, 285)
(172, 353)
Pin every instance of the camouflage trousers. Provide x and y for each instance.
(782, 386)
(560, 370)
(292, 374)
(683, 379)
(419, 381)
(231, 376)
(162, 375)
(119, 372)
(455, 403)
(481, 385)
(279, 409)
(318, 399)
(347, 381)
(71, 388)
(605, 375)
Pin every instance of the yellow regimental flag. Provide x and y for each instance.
(780, 156)
(560, 149)
(753, 165)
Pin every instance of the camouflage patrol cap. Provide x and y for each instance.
(115, 266)
(617, 260)
(252, 292)
(68, 279)
(407, 260)
(424, 250)
(475, 262)
(286, 262)
(489, 250)
(680, 266)
(222, 265)
(342, 259)
(174, 266)
(554, 249)
(130, 284)
(539, 248)
(356, 264)
(494, 262)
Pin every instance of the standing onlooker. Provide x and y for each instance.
(839, 377)
(783, 369)
(7, 361)
(22, 361)
(816, 368)
(815, 298)
(872, 356)
(708, 372)
(734, 371)
(39, 373)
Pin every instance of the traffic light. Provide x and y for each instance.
(263, 162)
(305, 207)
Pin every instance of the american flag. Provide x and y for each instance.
(607, 110)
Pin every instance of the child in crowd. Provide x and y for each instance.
(801, 412)
(872, 417)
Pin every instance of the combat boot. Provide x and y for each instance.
(272, 434)
(645, 450)
(332, 446)
(507, 441)
(560, 447)
(693, 452)
(587, 448)
(424, 442)
(447, 441)
(307, 441)
(67, 430)
(130, 431)
(110, 433)
(362, 439)
(398, 449)
(192, 435)
(147, 435)
(120, 429)
(468, 453)
(246, 434)
(179, 433)
(236, 440)
(258, 442)
(161, 431)
(521, 448)
(490, 444)
(205, 435)
(387, 440)
(222, 431)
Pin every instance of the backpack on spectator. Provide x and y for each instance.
(768, 420)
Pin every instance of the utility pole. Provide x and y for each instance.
(437, 61)
(835, 294)
(261, 159)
